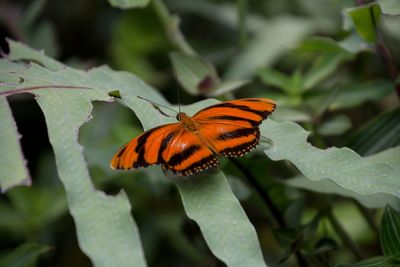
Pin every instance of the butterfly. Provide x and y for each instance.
(194, 144)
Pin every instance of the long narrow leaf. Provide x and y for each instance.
(12, 164)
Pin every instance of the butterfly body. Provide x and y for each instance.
(195, 143)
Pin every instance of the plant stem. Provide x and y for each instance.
(301, 260)
(368, 217)
(276, 214)
(344, 236)
(242, 7)
(171, 26)
(384, 53)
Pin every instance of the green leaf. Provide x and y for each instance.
(230, 235)
(391, 156)
(38, 206)
(351, 95)
(341, 165)
(390, 232)
(366, 19)
(227, 86)
(25, 255)
(290, 114)
(327, 186)
(126, 4)
(20, 52)
(106, 231)
(15, 172)
(390, 7)
(352, 44)
(271, 40)
(378, 134)
(335, 125)
(275, 78)
(196, 75)
(380, 261)
(323, 67)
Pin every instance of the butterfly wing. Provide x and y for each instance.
(145, 149)
(232, 127)
(229, 128)
(171, 145)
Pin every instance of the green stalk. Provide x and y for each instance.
(171, 26)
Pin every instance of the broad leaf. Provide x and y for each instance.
(341, 165)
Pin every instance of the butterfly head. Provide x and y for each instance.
(181, 116)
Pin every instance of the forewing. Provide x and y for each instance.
(232, 126)
(242, 112)
(145, 149)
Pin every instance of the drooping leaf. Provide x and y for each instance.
(390, 232)
(13, 171)
(341, 165)
(327, 186)
(390, 157)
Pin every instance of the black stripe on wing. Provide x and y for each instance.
(236, 133)
(198, 166)
(253, 123)
(164, 145)
(243, 148)
(178, 158)
(262, 114)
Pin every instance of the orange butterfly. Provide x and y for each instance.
(195, 143)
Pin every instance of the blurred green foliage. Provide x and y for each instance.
(322, 61)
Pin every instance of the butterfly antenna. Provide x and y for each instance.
(177, 92)
(156, 105)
